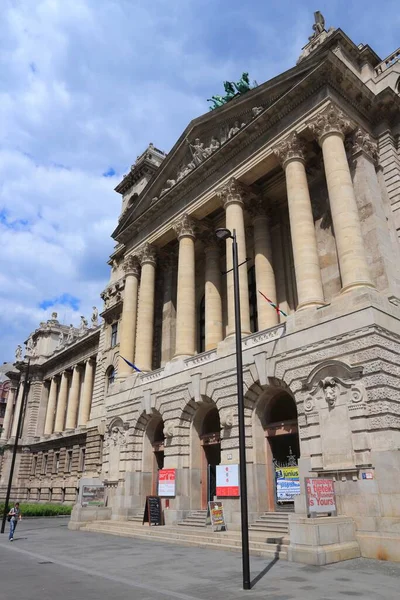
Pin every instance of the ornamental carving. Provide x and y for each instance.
(330, 391)
(292, 148)
(131, 265)
(116, 435)
(362, 142)
(169, 429)
(331, 120)
(234, 192)
(185, 227)
(227, 418)
(147, 254)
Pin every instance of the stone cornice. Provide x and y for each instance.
(66, 355)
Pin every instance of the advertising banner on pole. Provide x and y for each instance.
(216, 513)
(167, 483)
(287, 483)
(228, 481)
(320, 494)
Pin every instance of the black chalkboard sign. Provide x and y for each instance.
(152, 511)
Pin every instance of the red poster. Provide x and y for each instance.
(228, 481)
(320, 495)
(166, 482)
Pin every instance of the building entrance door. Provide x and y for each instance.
(282, 453)
(211, 458)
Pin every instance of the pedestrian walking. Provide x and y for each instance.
(14, 516)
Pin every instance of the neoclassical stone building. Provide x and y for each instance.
(306, 169)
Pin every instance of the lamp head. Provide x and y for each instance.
(223, 234)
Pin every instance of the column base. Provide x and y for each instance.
(355, 285)
(311, 304)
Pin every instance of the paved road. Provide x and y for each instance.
(48, 562)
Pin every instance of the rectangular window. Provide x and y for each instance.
(114, 333)
(50, 494)
(82, 459)
(62, 494)
(44, 464)
(34, 465)
(56, 462)
(68, 462)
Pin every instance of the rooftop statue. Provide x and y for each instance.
(18, 353)
(241, 87)
(319, 25)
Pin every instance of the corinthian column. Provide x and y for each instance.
(129, 316)
(213, 301)
(73, 404)
(9, 413)
(329, 127)
(291, 153)
(233, 195)
(265, 276)
(62, 403)
(145, 320)
(186, 300)
(87, 392)
(18, 407)
(51, 408)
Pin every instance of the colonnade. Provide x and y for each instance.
(70, 398)
(329, 128)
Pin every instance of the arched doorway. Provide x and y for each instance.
(205, 454)
(282, 451)
(153, 455)
(211, 443)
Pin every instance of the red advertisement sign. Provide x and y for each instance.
(166, 482)
(228, 480)
(320, 495)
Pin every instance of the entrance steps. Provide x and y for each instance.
(137, 517)
(273, 523)
(259, 544)
(196, 518)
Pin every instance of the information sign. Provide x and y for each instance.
(320, 494)
(228, 480)
(166, 482)
(216, 511)
(93, 495)
(152, 511)
(287, 483)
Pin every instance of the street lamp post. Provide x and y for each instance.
(225, 234)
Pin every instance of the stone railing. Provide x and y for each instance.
(388, 62)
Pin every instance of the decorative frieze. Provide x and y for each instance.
(331, 120)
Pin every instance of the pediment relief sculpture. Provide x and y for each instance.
(116, 434)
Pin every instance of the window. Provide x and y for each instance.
(34, 465)
(62, 494)
(50, 494)
(202, 325)
(28, 494)
(68, 462)
(114, 333)
(44, 464)
(253, 299)
(82, 459)
(110, 373)
(56, 462)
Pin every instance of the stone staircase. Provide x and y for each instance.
(196, 518)
(202, 537)
(275, 524)
(137, 517)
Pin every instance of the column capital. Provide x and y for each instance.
(185, 227)
(330, 121)
(291, 148)
(131, 265)
(234, 192)
(147, 254)
(257, 209)
(361, 142)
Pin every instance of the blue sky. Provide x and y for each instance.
(85, 86)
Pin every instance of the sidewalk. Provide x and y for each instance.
(48, 561)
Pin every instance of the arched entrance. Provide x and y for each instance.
(282, 451)
(153, 455)
(205, 454)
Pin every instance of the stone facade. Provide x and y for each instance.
(305, 169)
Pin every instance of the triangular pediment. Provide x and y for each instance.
(207, 140)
